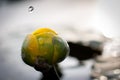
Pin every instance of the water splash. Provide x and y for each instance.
(30, 9)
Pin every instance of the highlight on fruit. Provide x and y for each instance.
(44, 48)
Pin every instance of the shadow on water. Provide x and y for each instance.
(82, 52)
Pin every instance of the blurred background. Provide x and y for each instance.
(91, 28)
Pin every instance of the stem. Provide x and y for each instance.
(55, 71)
(51, 74)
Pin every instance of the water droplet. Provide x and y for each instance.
(30, 9)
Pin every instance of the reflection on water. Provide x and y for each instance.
(108, 65)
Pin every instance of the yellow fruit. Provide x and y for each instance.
(44, 46)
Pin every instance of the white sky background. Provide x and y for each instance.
(107, 18)
(102, 15)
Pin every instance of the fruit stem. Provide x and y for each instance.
(55, 71)
(51, 74)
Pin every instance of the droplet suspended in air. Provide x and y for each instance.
(30, 9)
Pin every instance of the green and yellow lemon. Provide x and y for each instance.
(44, 45)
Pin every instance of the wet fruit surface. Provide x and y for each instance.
(44, 47)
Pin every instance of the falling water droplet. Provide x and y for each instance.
(30, 9)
